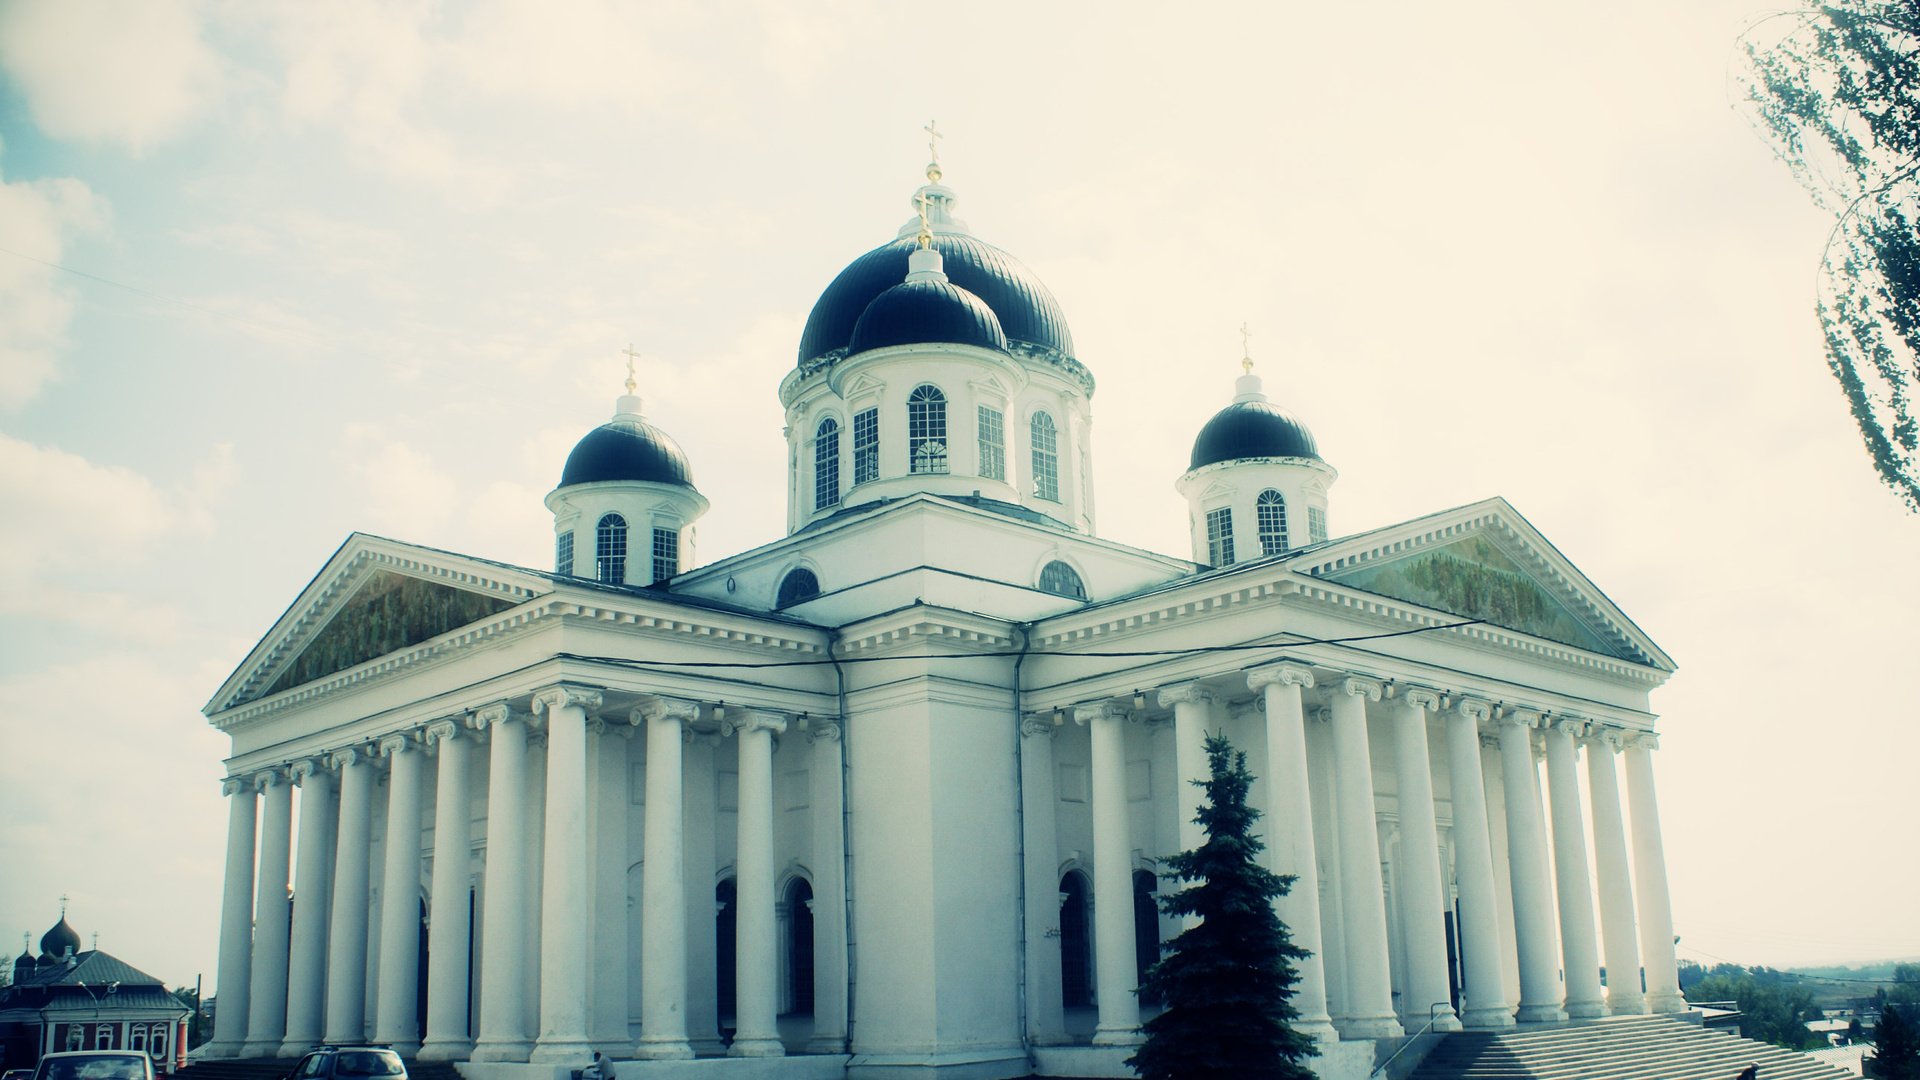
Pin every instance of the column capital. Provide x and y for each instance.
(751, 720)
(1521, 716)
(666, 708)
(445, 729)
(1602, 735)
(1575, 726)
(1099, 710)
(1037, 726)
(692, 736)
(1189, 693)
(234, 785)
(489, 716)
(601, 725)
(565, 694)
(1640, 740)
(305, 767)
(1473, 709)
(823, 729)
(346, 755)
(1320, 714)
(1361, 687)
(1285, 673)
(1421, 697)
(395, 743)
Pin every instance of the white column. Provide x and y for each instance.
(267, 1011)
(607, 869)
(829, 890)
(564, 956)
(1362, 889)
(1579, 945)
(1650, 880)
(1618, 927)
(1483, 997)
(1046, 1021)
(1423, 894)
(1115, 965)
(663, 885)
(1189, 702)
(307, 959)
(347, 936)
(397, 1017)
(755, 1031)
(1527, 858)
(449, 910)
(1290, 848)
(504, 1010)
(236, 919)
(700, 810)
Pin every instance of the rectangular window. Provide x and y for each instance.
(1316, 524)
(866, 446)
(1220, 536)
(993, 444)
(563, 553)
(666, 554)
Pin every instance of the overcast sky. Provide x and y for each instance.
(369, 266)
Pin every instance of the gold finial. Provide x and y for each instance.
(933, 151)
(63, 905)
(631, 357)
(920, 202)
(1246, 351)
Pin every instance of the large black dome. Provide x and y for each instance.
(1252, 429)
(921, 312)
(58, 941)
(627, 448)
(1027, 312)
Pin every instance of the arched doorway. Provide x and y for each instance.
(1076, 969)
(724, 946)
(799, 902)
(1146, 928)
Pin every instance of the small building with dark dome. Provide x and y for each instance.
(74, 998)
(890, 795)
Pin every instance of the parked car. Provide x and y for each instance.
(17, 1074)
(350, 1063)
(95, 1065)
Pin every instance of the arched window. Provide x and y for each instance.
(927, 430)
(1076, 967)
(826, 464)
(799, 584)
(1046, 458)
(1059, 579)
(610, 549)
(1220, 537)
(136, 1036)
(1270, 514)
(158, 1048)
(1146, 925)
(800, 946)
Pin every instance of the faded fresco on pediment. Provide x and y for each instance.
(1472, 577)
(389, 612)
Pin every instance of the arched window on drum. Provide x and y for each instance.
(1270, 516)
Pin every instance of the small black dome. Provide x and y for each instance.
(926, 312)
(1252, 429)
(1027, 312)
(55, 942)
(627, 448)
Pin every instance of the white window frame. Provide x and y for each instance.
(1219, 524)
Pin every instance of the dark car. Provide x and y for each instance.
(350, 1063)
(95, 1065)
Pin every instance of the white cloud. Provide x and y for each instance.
(37, 218)
(406, 495)
(101, 71)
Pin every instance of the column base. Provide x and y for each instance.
(1369, 1027)
(710, 1046)
(1540, 1014)
(513, 1050)
(664, 1049)
(1442, 1022)
(828, 1044)
(1667, 1002)
(1118, 1036)
(293, 1048)
(1493, 1016)
(1623, 1005)
(1585, 1010)
(577, 1051)
(449, 1050)
(261, 1049)
(221, 1050)
(761, 1047)
(1319, 1029)
(406, 1048)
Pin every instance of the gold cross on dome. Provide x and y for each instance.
(933, 141)
(1246, 350)
(631, 357)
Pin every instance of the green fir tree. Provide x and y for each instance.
(1228, 981)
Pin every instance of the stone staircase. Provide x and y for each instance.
(1620, 1048)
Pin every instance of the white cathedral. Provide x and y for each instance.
(886, 797)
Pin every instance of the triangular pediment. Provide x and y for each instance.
(374, 598)
(1487, 562)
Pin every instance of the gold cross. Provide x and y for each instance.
(933, 141)
(63, 905)
(926, 225)
(1246, 351)
(631, 357)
